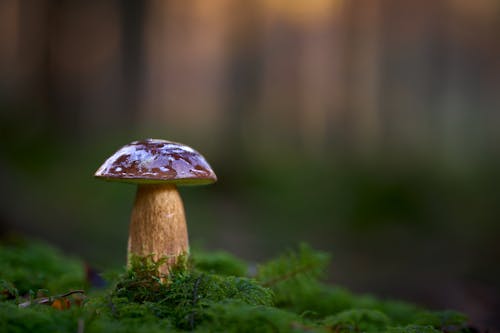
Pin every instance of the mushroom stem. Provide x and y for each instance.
(158, 224)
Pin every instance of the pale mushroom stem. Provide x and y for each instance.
(158, 224)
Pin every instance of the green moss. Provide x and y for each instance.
(221, 263)
(359, 320)
(412, 329)
(449, 321)
(30, 265)
(38, 318)
(184, 297)
(208, 293)
(234, 316)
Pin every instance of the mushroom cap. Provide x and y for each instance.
(157, 161)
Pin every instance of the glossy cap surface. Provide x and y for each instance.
(157, 161)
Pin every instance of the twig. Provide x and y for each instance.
(81, 326)
(195, 299)
(113, 308)
(79, 291)
(288, 275)
(45, 300)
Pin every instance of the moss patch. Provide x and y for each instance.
(33, 266)
(208, 293)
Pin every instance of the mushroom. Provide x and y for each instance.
(157, 224)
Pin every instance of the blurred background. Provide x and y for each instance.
(367, 128)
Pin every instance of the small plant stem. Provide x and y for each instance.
(288, 275)
(44, 300)
(195, 299)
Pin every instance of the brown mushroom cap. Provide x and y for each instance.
(157, 161)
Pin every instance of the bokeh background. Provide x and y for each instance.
(367, 128)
